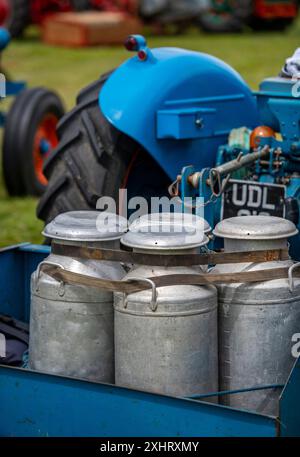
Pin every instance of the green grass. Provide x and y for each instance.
(254, 55)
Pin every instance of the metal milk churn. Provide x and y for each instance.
(166, 338)
(256, 320)
(71, 327)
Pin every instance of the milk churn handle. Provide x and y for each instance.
(47, 262)
(290, 275)
(153, 302)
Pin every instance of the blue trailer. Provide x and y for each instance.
(39, 404)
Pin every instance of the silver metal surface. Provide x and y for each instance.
(165, 231)
(290, 275)
(256, 325)
(224, 170)
(242, 161)
(255, 228)
(153, 301)
(171, 347)
(71, 327)
(178, 217)
(86, 226)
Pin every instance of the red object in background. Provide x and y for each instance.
(40, 9)
(275, 9)
(126, 6)
(17, 14)
(263, 14)
(4, 10)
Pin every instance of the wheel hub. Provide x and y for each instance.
(45, 140)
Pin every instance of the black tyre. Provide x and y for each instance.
(29, 136)
(226, 16)
(93, 159)
(80, 5)
(17, 16)
(272, 25)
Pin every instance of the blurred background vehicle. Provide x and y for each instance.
(217, 16)
(15, 15)
(163, 13)
(29, 132)
(233, 16)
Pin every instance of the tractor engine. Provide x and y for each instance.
(271, 184)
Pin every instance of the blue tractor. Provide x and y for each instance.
(175, 121)
(29, 131)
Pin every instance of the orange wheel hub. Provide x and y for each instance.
(44, 141)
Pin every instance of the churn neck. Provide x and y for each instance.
(231, 245)
(104, 244)
(167, 251)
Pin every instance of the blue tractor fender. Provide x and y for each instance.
(179, 105)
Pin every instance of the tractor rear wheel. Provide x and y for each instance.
(15, 16)
(29, 136)
(93, 159)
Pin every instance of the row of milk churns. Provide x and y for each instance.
(177, 340)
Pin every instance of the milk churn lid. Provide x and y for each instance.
(207, 228)
(255, 228)
(166, 231)
(86, 226)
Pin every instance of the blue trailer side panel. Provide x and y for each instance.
(16, 264)
(35, 404)
(290, 404)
